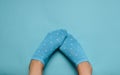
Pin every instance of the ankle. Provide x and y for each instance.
(84, 68)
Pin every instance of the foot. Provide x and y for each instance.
(72, 49)
(51, 42)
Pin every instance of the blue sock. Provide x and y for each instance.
(51, 42)
(72, 49)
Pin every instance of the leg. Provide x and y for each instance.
(51, 42)
(73, 50)
(84, 68)
(35, 68)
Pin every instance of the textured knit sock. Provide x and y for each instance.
(72, 49)
(50, 43)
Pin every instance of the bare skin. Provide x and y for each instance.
(36, 68)
(84, 68)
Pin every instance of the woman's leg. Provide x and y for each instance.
(73, 50)
(35, 68)
(84, 68)
(50, 43)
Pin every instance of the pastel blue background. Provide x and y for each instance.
(94, 23)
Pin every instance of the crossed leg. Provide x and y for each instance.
(82, 64)
(50, 43)
(36, 68)
(73, 50)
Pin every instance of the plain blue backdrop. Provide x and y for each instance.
(94, 23)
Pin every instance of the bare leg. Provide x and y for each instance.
(35, 68)
(41, 56)
(73, 50)
(84, 68)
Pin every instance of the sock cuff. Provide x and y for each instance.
(35, 57)
(80, 61)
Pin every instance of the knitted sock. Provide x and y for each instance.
(50, 43)
(72, 49)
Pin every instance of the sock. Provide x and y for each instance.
(50, 43)
(72, 49)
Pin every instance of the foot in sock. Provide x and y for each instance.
(50, 43)
(72, 49)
